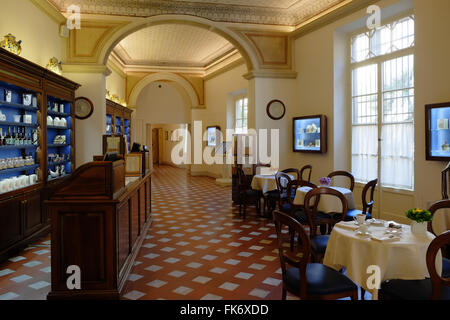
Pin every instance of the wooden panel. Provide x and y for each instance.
(33, 212)
(11, 222)
(148, 190)
(134, 213)
(142, 207)
(123, 221)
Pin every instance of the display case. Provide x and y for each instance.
(310, 134)
(118, 121)
(25, 135)
(437, 126)
(59, 138)
(20, 126)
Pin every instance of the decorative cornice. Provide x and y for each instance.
(274, 74)
(86, 68)
(329, 16)
(293, 15)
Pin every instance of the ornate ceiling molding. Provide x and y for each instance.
(282, 13)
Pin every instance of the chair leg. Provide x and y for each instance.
(284, 294)
(354, 295)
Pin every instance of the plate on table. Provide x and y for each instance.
(364, 234)
(376, 222)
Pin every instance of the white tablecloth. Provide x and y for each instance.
(267, 183)
(327, 203)
(403, 259)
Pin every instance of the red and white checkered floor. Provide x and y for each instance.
(197, 248)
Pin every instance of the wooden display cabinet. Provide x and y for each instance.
(24, 91)
(118, 121)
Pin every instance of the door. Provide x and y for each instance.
(155, 146)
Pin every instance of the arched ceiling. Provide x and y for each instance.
(270, 12)
(172, 45)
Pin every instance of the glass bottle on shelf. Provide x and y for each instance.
(35, 137)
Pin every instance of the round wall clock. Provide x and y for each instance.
(276, 109)
(83, 108)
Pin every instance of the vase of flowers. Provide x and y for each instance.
(420, 219)
(325, 182)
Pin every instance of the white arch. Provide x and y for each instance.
(244, 49)
(181, 84)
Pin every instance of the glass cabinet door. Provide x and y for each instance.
(59, 137)
(20, 128)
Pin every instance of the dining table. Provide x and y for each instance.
(267, 182)
(328, 203)
(383, 252)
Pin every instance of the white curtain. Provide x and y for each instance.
(364, 152)
(397, 155)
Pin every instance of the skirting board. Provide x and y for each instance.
(179, 166)
(205, 174)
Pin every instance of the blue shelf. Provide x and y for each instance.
(57, 145)
(57, 127)
(29, 146)
(18, 124)
(58, 163)
(59, 114)
(18, 106)
(26, 168)
(56, 178)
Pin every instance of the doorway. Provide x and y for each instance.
(155, 146)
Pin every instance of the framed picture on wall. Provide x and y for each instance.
(310, 134)
(213, 136)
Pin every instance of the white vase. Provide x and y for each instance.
(419, 229)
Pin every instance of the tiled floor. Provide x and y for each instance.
(27, 275)
(197, 248)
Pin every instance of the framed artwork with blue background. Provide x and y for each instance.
(437, 128)
(310, 134)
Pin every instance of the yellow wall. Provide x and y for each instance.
(39, 34)
(116, 84)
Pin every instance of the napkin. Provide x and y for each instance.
(350, 225)
(385, 238)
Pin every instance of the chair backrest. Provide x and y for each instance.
(303, 170)
(293, 170)
(294, 185)
(311, 213)
(292, 253)
(344, 174)
(443, 204)
(242, 179)
(368, 206)
(282, 179)
(433, 249)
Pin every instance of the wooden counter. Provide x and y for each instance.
(98, 224)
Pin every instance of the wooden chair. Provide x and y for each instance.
(278, 196)
(443, 204)
(367, 206)
(292, 171)
(344, 174)
(309, 281)
(305, 169)
(434, 288)
(246, 194)
(296, 210)
(319, 242)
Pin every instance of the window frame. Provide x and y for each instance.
(242, 130)
(378, 61)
